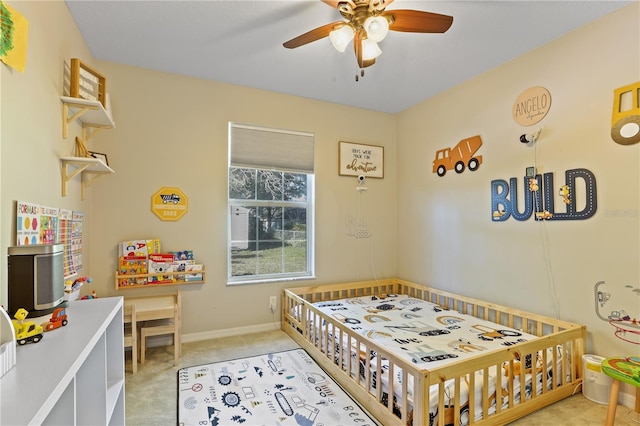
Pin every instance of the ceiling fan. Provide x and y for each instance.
(367, 23)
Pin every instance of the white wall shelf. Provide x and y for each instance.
(74, 375)
(90, 113)
(88, 168)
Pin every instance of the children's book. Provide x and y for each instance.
(132, 265)
(153, 246)
(139, 247)
(133, 248)
(160, 263)
(183, 255)
(180, 266)
(194, 275)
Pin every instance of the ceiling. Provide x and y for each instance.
(240, 42)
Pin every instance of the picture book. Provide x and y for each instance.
(180, 266)
(139, 247)
(132, 265)
(161, 263)
(153, 246)
(191, 273)
(183, 255)
(133, 248)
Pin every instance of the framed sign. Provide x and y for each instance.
(100, 156)
(358, 159)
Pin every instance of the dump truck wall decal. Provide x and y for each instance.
(625, 122)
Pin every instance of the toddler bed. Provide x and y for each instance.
(417, 355)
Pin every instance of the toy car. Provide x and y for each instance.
(58, 319)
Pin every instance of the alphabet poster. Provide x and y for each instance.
(36, 224)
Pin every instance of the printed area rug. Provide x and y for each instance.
(282, 388)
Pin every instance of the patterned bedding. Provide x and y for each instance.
(428, 336)
(420, 331)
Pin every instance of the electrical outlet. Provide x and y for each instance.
(272, 303)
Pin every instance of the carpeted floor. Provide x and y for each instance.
(151, 395)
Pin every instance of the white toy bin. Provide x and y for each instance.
(595, 384)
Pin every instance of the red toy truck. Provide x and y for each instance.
(58, 319)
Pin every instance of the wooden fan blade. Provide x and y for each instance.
(310, 36)
(333, 3)
(415, 21)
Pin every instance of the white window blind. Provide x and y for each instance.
(260, 147)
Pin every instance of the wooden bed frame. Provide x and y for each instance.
(312, 330)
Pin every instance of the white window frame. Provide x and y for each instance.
(309, 204)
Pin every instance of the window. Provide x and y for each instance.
(271, 182)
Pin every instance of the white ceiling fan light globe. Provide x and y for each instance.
(377, 28)
(341, 37)
(370, 50)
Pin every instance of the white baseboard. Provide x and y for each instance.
(238, 331)
(154, 341)
(627, 396)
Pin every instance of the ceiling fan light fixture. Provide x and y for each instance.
(376, 27)
(341, 37)
(370, 50)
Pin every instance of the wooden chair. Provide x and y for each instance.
(131, 334)
(169, 324)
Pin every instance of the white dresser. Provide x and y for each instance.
(74, 375)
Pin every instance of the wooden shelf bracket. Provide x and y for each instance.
(89, 168)
(91, 113)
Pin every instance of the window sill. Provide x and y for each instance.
(270, 280)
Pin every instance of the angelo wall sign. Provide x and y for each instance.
(531, 106)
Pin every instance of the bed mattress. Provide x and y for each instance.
(429, 335)
(419, 331)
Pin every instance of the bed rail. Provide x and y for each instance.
(384, 390)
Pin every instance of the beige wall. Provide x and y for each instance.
(172, 131)
(446, 236)
(31, 131)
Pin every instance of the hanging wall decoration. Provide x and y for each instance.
(459, 157)
(626, 327)
(13, 37)
(361, 160)
(531, 106)
(625, 123)
(540, 197)
(169, 204)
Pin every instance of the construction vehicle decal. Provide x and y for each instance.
(625, 121)
(459, 157)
